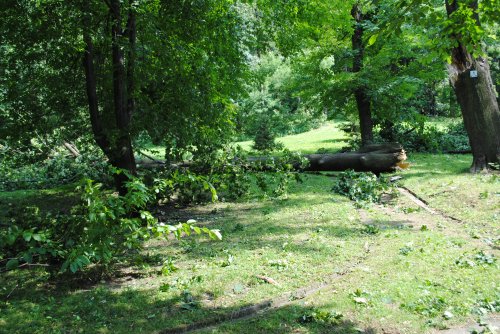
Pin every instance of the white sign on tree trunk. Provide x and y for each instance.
(473, 74)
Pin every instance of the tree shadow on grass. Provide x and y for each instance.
(102, 310)
(336, 140)
(289, 319)
(94, 308)
(267, 222)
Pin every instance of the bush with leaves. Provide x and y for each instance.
(98, 231)
(228, 175)
(416, 136)
(184, 187)
(57, 169)
(218, 174)
(274, 174)
(427, 138)
(271, 100)
(265, 139)
(361, 187)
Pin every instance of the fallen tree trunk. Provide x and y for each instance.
(376, 158)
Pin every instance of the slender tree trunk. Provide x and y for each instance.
(362, 99)
(118, 146)
(100, 136)
(132, 36)
(477, 98)
(429, 95)
(124, 155)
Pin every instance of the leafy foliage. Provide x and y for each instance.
(99, 230)
(361, 187)
(272, 105)
(58, 168)
(265, 139)
(228, 175)
(320, 316)
(428, 306)
(421, 137)
(415, 136)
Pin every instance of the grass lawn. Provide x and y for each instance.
(392, 268)
(327, 137)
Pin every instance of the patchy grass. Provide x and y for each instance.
(56, 199)
(445, 183)
(410, 271)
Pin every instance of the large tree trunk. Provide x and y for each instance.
(362, 99)
(477, 98)
(100, 135)
(124, 155)
(113, 138)
(376, 158)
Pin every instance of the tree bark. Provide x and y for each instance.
(123, 153)
(362, 99)
(477, 99)
(376, 158)
(132, 36)
(113, 138)
(100, 136)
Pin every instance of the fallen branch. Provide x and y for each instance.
(267, 279)
(151, 157)
(72, 149)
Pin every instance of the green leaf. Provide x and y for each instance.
(373, 39)
(215, 234)
(27, 235)
(64, 266)
(73, 267)
(12, 264)
(187, 229)
(28, 257)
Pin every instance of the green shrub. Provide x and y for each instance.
(415, 137)
(265, 139)
(99, 230)
(361, 187)
(427, 138)
(228, 175)
(55, 170)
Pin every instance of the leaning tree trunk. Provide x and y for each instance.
(473, 86)
(362, 99)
